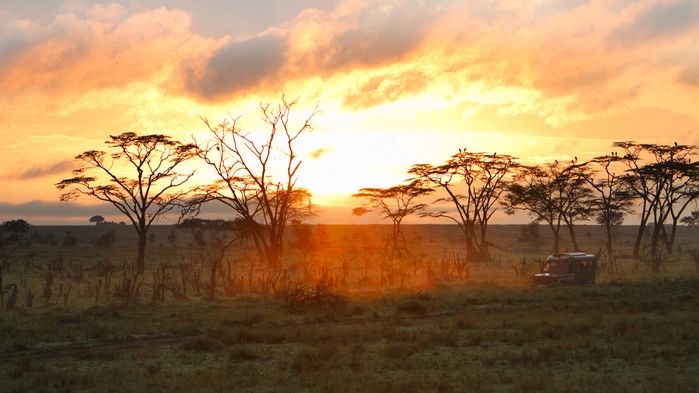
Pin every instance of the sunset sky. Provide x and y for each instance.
(397, 83)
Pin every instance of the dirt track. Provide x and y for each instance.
(83, 349)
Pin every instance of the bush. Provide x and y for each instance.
(314, 296)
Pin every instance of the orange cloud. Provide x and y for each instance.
(73, 54)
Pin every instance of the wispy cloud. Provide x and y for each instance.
(39, 171)
(316, 154)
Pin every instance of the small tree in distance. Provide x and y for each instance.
(142, 179)
(97, 220)
(13, 235)
(394, 203)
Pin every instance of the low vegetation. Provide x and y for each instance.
(343, 319)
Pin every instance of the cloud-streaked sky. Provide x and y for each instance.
(397, 82)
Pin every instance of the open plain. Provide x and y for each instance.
(83, 320)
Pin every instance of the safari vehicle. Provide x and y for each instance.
(568, 268)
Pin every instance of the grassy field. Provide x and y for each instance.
(432, 323)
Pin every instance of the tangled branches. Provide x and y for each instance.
(314, 296)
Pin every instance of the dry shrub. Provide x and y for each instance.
(314, 297)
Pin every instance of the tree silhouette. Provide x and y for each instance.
(13, 235)
(666, 185)
(142, 179)
(614, 198)
(97, 219)
(394, 203)
(474, 183)
(257, 175)
(557, 194)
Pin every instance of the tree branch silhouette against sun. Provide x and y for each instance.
(256, 175)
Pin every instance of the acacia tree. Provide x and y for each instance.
(557, 194)
(666, 185)
(484, 178)
(394, 203)
(614, 198)
(257, 175)
(143, 179)
(97, 220)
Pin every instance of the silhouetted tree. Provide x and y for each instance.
(692, 219)
(13, 235)
(394, 203)
(69, 240)
(614, 198)
(529, 234)
(666, 184)
(474, 183)
(142, 179)
(97, 220)
(250, 183)
(557, 194)
(308, 240)
(106, 240)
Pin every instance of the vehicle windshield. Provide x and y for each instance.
(556, 267)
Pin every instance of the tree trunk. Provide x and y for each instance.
(609, 241)
(555, 232)
(141, 259)
(639, 235)
(571, 231)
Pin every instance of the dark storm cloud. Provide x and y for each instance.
(239, 66)
(657, 22)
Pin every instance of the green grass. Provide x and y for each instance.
(633, 332)
(581, 339)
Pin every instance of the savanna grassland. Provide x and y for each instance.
(427, 322)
